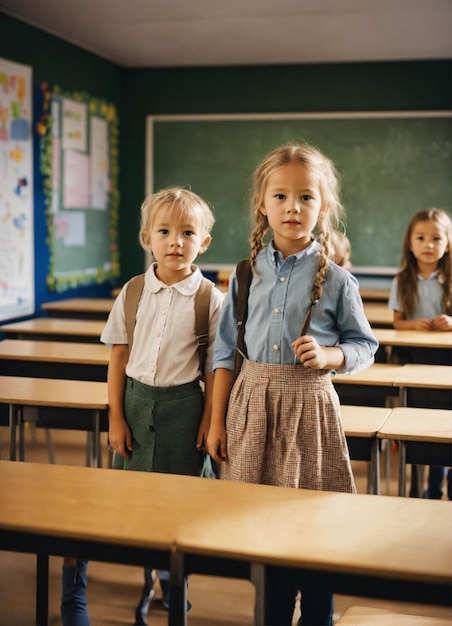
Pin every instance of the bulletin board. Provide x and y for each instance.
(79, 162)
(17, 293)
(391, 164)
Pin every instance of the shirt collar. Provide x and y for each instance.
(186, 287)
(277, 257)
(433, 276)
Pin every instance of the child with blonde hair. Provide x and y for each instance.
(280, 422)
(159, 415)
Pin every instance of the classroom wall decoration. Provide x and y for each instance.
(17, 297)
(79, 162)
(392, 164)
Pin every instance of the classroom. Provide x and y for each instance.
(383, 112)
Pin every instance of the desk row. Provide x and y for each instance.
(351, 544)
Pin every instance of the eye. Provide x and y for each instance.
(280, 196)
(188, 233)
(163, 231)
(306, 197)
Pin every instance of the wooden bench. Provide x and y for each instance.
(369, 616)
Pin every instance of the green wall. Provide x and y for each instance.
(398, 86)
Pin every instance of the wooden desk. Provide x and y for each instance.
(104, 515)
(361, 425)
(413, 338)
(378, 314)
(54, 359)
(226, 528)
(358, 545)
(369, 294)
(424, 377)
(86, 400)
(80, 308)
(424, 436)
(56, 329)
(379, 381)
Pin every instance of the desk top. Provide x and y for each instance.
(363, 421)
(76, 394)
(334, 531)
(378, 374)
(378, 314)
(324, 531)
(82, 305)
(411, 424)
(425, 376)
(413, 338)
(54, 352)
(367, 293)
(54, 326)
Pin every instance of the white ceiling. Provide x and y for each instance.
(174, 33)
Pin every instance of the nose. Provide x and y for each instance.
(177, 241)
(294, 206)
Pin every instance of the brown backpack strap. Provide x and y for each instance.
(133, 295)
(244, 276)
(202, 310)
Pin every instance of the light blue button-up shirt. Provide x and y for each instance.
(279, 299)
(430, 303)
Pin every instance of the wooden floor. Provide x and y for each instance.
(113, 590)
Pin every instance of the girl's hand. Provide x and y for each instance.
(216, 443)
(203, 431)
(442, 322)
(120, 437)
(309, 353)
(423, 324)
(313, 356)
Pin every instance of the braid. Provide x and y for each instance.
(257, 238)
(324, 261)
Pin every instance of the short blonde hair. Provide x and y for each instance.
(177, 201)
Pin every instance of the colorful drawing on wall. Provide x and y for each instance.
(17, 293)
(79, 162)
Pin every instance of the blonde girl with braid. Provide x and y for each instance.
(280, 422)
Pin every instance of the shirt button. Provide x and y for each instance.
(275, 347)
(276, 310)
(282, 279)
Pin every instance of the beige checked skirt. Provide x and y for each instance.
(284, 428)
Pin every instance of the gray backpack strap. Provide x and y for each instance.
(133, 295)
(202, 309)
(244, 275)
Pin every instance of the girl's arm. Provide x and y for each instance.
(400, 323)
(119, 434)
(442, 322)
(216, 439)
(207, 412)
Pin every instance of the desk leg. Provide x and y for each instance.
(20, 421)
(177, 615)
(258, 580)
(96, 459)
(42, 589)
(12, 432)
(375, 466)
(402, 468)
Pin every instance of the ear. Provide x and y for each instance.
(205, 244)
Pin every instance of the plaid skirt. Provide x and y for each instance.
(284, 428)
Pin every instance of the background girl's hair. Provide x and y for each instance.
(407, 288)
(331, 211)
(178, 201)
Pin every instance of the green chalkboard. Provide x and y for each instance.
(391, 167)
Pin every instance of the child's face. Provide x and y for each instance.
(175, 244)
(428, 243)
(292, 203)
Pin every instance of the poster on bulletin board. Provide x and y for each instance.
(80, 164)
(17, 294)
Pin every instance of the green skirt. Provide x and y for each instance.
(164, 422)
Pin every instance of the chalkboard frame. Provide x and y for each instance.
(152, 182)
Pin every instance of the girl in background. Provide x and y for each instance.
(280, 423)
(421, 298)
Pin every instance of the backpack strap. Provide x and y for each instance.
(202, 310)
(244, 276)
(133, 295)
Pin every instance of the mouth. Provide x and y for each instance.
(291, 223)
